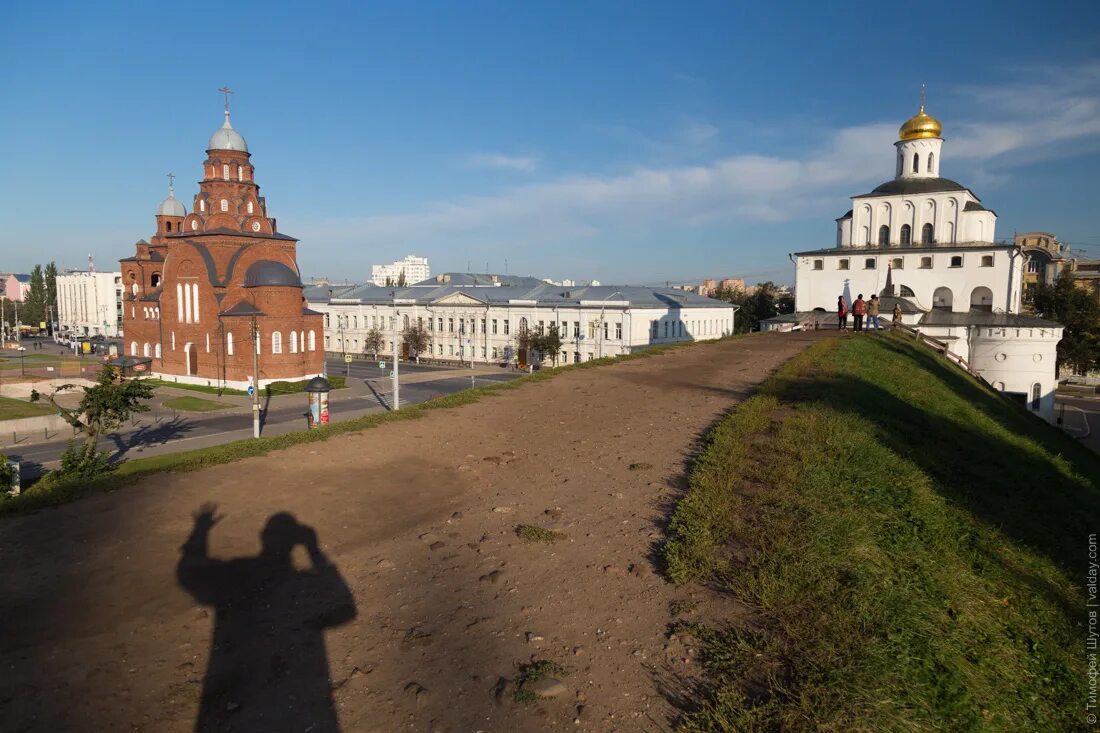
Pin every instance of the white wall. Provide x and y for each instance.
(1018, 358)
(820, 288)
(85, 300)
(636, 327)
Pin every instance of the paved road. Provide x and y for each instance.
(163, 431)
(1080, 414)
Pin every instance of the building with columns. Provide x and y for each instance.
(477, 317)
(928, 244)
(216, 290)
(89, 303)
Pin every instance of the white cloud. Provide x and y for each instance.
(1027, 120)
(521, 163)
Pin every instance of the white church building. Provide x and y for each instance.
(928, 244)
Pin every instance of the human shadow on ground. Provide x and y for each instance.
(268, 668)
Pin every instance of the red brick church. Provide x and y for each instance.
(196, 290)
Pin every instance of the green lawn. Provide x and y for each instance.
(194, 404)
(911, 546)
(12, 409)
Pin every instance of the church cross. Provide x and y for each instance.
(171, 180)
(226, 91)
(921, 98)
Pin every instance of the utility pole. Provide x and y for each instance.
(396, 357)
(255, 380)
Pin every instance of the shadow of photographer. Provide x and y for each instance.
(268, 667)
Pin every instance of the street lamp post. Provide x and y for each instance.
(396, 358)
(255, 379)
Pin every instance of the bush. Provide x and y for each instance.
(274, 388)
(76, 464)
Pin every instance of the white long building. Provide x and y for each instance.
(89, 303)
(476, 318)
(928, 244)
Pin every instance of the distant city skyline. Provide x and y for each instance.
(570, 141)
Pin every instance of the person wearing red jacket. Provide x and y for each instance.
(842, 313)
(859, 310)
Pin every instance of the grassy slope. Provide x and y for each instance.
(11, 409)
(913, 546)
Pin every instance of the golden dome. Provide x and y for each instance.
(920, 125)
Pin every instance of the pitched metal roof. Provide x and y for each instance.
(984, 317)
(242, 308)
(526, 291)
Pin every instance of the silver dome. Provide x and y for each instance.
(171, 206)
(226, 138)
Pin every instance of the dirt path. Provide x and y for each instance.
(419, 596)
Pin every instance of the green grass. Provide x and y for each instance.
(912, 545)
(275, 388)
(11, 409)
(49, 492)
(533, 533)
(193, 387)
(194, 404)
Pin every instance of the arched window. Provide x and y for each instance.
(294, 342)
(195, 301)
(916, 163)
(884, 236)
(156, 350)
(133, 348)
(1036, 395)
(931, 161)
(926, 235)
(276, 343)
(145, 350)
(229, 343)
(240, 173)
(133, 288)
(943, 298)
(225, 171)
(249, 207)
(906, 234)
(194, 225)
(179, 302)
(225, 205)
(155, 279)
(906, 292)
(523, 325)
(202, 204)
(312, 341)
(167, 226)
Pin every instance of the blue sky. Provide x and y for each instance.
(628, 142)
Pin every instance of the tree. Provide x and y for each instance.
(106, 405)
(1079, 314)
(417, 339)
(389, 281)
(401, 279)
(373, 342)
(33, 310)
(51, 293)
(764, 302)
(549, 343)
